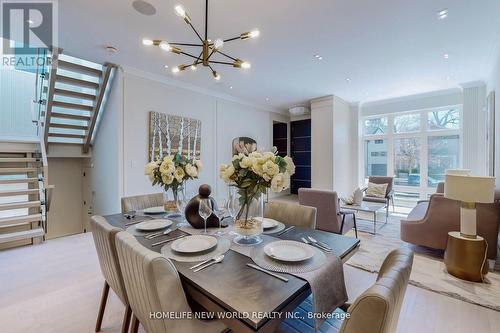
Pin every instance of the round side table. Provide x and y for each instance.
(465, 258)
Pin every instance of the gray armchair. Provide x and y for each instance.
(389, 192)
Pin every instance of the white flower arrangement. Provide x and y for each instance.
(254, 173)
(172, 171)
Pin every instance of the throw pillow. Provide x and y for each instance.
(376, 190)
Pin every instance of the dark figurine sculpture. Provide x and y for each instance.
(191, 211)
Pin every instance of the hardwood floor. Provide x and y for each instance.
(56, 287)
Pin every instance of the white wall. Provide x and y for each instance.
(334, 159)
(107, 153)
(413, 103)
(494, 85)
(17, 91)
(322, 143)
(126, 123)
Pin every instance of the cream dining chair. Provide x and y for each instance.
(153, 285)
(139, 202)
(377, 309)
(104, 239)
(291, 214)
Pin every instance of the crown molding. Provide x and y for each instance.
(188, 86)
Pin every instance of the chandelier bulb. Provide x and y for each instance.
(218, 44)
(245, 65)
(216, 75)
(193, 67)
(147, 41)
(254, 34)
(165, 46)
(175, 69)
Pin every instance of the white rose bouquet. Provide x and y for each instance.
(172, 171)
(254, 173)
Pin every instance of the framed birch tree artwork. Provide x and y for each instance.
(169, 134)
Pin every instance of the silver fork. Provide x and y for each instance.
(315, 245)
(158, 234)
(319, 243)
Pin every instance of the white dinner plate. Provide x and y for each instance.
(194, 243)
(151, 225)
(269, 223)
(290, 251)
(154, 210)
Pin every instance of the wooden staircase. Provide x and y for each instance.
(75, 94)
(22, 195)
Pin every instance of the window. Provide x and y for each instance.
(443, 120)
(375, 158)
(407, 162)
(416, 148)
(443, 153)
(375, 126)
(407, 123)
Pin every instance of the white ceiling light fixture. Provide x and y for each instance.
(317, 56)
(446, 56)
(348, 80)
(144, 8)
(166, 66)
(442, 14)
(208, 50)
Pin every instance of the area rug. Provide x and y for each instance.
(428, 270)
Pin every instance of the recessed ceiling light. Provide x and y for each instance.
(446, 56)
(348, 80)
(442, 14)
(448, 78)
(317, 56)
(166, 66)
(267, 99)
(230, 87)
(144, 8)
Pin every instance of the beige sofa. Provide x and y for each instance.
(430, 221)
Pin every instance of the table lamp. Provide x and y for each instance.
(469, 190)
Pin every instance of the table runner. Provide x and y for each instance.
(327, 282)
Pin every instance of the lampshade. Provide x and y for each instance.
(469, 188)
(458, 172)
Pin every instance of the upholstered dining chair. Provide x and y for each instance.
(327, 204)
(139, 202)
(377, 309)
(153, 285)
(389, 193)
(291, 213)
(104, 239)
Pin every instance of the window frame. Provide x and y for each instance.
(423, 134)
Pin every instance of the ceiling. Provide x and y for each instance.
(387, 48)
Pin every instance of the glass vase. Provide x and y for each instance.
(170, 200)
(248, 221)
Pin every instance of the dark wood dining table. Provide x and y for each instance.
(252, 300)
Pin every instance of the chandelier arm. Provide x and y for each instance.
(213, 51)
(189, 55)
(231, 39)
(228, 56)
(186, 44)
(196, 32)
(222, 63)
(211, 68)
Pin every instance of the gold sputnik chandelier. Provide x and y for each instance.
(208, 47)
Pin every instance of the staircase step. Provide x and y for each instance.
(9, 193)
(20, 235)
(76, 82)
(69, 126)
(74, 94)
(18, 181)
(18, 160)
(16, 220)
(69, 66)
(69, 116)
(16, 170)
(19, 205)
(74, 106)
(64, 135)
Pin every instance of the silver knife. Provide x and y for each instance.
(326, 246)
(158, 234)
(201, 263)
(167, 240)
(282, 278)
(286, 230)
